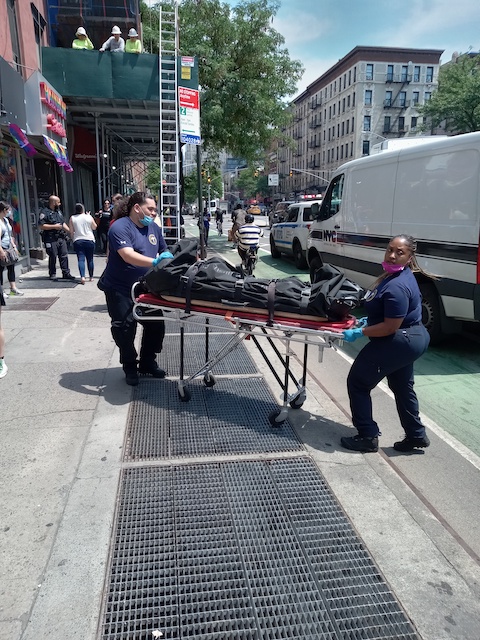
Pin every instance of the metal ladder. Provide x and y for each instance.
(169, 197)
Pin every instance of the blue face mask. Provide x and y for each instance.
(146, 220)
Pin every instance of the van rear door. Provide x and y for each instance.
(327, 233)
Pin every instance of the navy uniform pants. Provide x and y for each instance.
(58, 248)
(391, 357)
(124, 329)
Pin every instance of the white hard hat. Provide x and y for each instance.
(81, 32)
(132, 33)
(116, 30)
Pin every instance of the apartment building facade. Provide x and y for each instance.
(371, 94)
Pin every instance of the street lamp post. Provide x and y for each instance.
(309, 173)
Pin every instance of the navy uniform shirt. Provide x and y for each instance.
(47, 216)
(123, 233)
(397, 296)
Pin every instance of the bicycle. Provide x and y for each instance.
(249, 260)
(219, 227)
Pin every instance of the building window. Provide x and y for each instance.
(369, 72)
(351, 149)
(353, 123)
(404, 77)
(366, 148)
(413, 124)
(388, 98)
(349, 77)
(330, 112)
(338, 130)
(429, 76)
(333, 109)
(402, 99)
(428, 95)
(343, 105)
(343, 128)
(367, 123)
(401, 123)
(416, 97)
(348, 101)
(344, 80)
(39, 25)
(416, 73)
(390, 73)
(353, 99)
(368, 97)
(12, 23)
(347, 127)
(386, 124)
(354, 74)
(341, 152)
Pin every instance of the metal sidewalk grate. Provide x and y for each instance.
(231, 418)
(236, 362)
(252, 549)
(196, 324)
(29, 304)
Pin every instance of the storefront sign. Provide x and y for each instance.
(189, 101)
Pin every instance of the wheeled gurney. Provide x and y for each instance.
(246, 323)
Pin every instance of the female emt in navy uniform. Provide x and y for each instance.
(136, 244)
(397, 338)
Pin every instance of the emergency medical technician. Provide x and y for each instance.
(54, 233)
(135, 245)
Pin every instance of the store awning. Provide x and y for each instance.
(59, 152)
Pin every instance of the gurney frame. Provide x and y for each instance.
(144, 309)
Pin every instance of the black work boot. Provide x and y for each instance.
(131, 374)
(410, 444)
(150, 368)
(359, 443)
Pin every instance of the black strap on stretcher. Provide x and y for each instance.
(189, 277)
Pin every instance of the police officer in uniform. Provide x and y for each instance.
(55, 232)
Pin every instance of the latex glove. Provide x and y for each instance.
(350, 335)
(362, 322)
(162, 256)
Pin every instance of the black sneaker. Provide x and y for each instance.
(69, 277)
(131, 375)
(410, 444)
(358, 443)
(151, 369)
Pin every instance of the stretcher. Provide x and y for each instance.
(246, 323)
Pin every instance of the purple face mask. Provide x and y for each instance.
(392, 268)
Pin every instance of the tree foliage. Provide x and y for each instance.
(245, 71)
(152, 177)
(456, 103)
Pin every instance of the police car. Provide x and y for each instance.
(290, 237)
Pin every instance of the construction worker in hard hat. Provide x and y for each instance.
(115, 42)
(133, 44)
(82, 41)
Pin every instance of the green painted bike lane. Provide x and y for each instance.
(447, 377)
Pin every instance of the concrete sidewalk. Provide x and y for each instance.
(64, 409)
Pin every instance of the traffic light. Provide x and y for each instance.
(256, 173)
(209, 180)
(291, 173)
(203, 173)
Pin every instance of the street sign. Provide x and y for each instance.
(273, 179)
(189, 106)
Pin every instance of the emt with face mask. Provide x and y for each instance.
(135, 245)
(397, 338)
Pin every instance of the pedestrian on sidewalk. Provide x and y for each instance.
(3, 365)
(55, 233)
(103, 219)
(82, 226)
(397, 338)
(7, 241)
(135, 245)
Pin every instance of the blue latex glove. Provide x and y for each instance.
(350, 335)
(362, 322)
(162, 256)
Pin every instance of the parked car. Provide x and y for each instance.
(290, 237)
(279, 213)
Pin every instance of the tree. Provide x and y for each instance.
(152, 177)
(456, 103)
(245, 71)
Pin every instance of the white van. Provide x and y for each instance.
(431, 192)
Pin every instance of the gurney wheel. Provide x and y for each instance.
(277, 417)
(209, 380)
(297, 402)
(184, 394)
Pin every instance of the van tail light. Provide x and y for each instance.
(309, 225)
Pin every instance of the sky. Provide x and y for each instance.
(321, 32)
